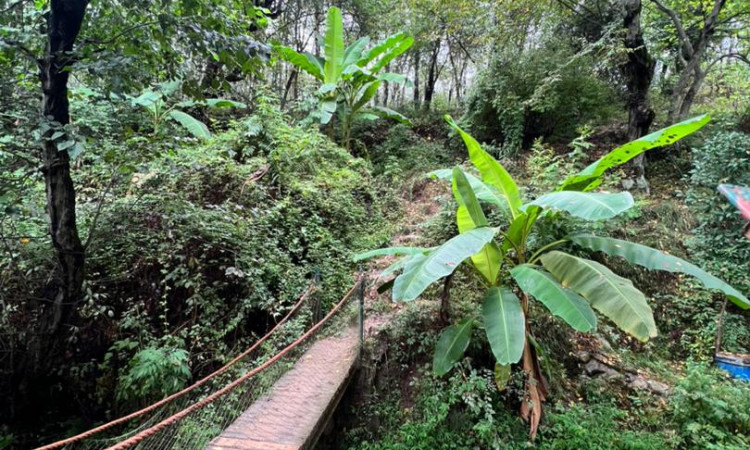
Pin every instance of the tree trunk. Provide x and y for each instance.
(638, 72)
(64, 23)
(416, 79)
(432, 74)
(289, 82)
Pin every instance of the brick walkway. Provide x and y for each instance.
(293, 414)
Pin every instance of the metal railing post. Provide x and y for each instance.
(362, 282)
(316, 298)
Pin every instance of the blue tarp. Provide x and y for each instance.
(739, 371)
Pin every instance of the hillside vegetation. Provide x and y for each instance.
(174, 174)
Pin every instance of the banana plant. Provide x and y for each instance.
(159, 107)
(519, 277)
(350, 76)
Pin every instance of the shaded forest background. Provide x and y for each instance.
(167, 190)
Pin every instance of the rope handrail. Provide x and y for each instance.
(87, 434)
(134, 440)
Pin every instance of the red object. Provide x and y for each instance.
(739, 196)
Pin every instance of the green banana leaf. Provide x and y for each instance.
(504, 324)
(586, 205)
(423, 270)
(653, 259)
(561, 302)
(610, 294)
(451, 346)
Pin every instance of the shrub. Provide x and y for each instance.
(536, 94)
(719, 243)
(723, 158)
(711, 411)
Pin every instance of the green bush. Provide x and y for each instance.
(719, 243)
(711, 411)
(547, 92)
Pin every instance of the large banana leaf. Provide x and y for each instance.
(612, 295)
(333, 47)
(190, 123)
(387, 113)
(365, 94)
(464, 195)
(520, 228)
(380, 47)
(397, 78)
(657, 260)
(305, 61)
(483, 191)
(390, 251)
(451, 346)
(561, 302)
(469, 215)
(327, 109)
(492, 171)
(504, 324)
(354, 52)
(390, 48)
(587, 178)
(423, 270)
(392, 54)
(586, 205)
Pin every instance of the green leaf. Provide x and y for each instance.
(326, 88)
(423, 270)
(492, 171)
(504, 324)
(333, 47)
(387, 113)
(561, 302)
(470, 216)
(389, 251)
(354, 52)
(520, 228)
(396, 266)
(586, 205)
(453, 342)
(610, 294)
(147, 99)
(483, 191)
(393, 53)
(653, 259)
(396, 78)
(224, 103)
(501, 376)
(365, 94)
(327, 110)
(191, 124)
(394, 45)
(587, 178)
(464, 195)
(305, 61)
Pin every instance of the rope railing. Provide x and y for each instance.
(177, 395)
(134, 440)
(167, 427)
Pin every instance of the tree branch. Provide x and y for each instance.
(683, 37)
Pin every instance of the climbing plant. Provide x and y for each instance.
(517, 276)
(350, 76)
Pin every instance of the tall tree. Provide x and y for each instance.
(63, 25)
(696, 26)
(638, 72)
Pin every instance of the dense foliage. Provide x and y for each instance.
(174, 173)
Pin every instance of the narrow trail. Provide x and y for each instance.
(293, 414)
